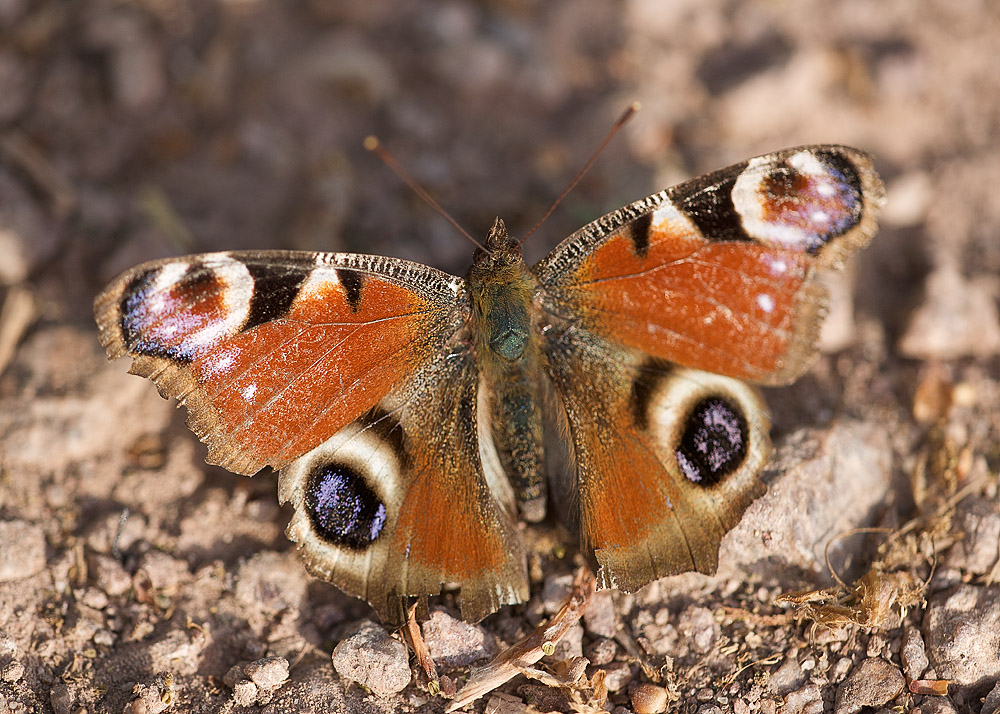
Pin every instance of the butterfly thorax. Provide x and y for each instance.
(500, 288)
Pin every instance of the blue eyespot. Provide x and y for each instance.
(343, 509)
(714, 443)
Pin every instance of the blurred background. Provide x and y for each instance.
(145, 128)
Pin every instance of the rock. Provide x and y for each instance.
(60, 698)
(569, 646)
(12, 672)
(373, 659)
(453, 643)
(109, 574)
(601, 651)
(913, 654)
(254, 681)
(978, 551)
(268, 673)
(807, 700)
(94, 597)
(153, 696)
(23, 554)
(178, 651)
(617, 676)
(958, 319)
(991, 704)
(840, 669)
(698, 628)
(662, 637)
(649, 699)
(788, 677)
(937, 705)
(600, 619)
(271, 582)
(244, 692)
(873, 683)
(555, 592)
(164, 570)
(233, 675)
(841, 475)
(962, 632)
(500, 703)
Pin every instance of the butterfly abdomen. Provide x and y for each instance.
(501, 290)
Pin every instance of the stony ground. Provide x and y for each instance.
(135, 578)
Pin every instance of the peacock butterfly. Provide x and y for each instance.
(406, 408)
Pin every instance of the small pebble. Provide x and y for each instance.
(374, 659)
(109, 574)
(453, 643)
(95, 598)
(244, 693)
(705, 694)
(233, 675)
(60, 698)
(268, 673)
(23, 554)
(962, 633)
(617, 676)
(601, 651)
(152, 696)
(555, 592)
(913, 654)
(991, 704)
(807, 700)
(600, 618)
(697, 626)
(570, 645)
(649, 699)
(937, 705)
(787, 678)
(12, 672)
(271, 582)
(873, 683)
(164, 570)
(840, 669)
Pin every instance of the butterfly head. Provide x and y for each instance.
(500, 286)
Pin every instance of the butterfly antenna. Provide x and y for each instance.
(616, 127)
(375, 146)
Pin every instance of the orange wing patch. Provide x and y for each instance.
(723, 307)
(284, 386)
(733, 308)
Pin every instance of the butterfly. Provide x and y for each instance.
(414, 415)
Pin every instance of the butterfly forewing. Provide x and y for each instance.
(274, 351)
(719, 273)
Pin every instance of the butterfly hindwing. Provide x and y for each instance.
(652, 315)
(410, 468)
(666, 458)
(350, 373)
